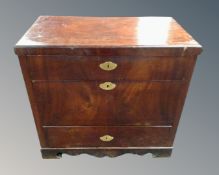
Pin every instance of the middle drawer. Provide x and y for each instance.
(123, 103)
(58, 67)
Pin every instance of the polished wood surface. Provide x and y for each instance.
(130, 103)
(92, 33)
(106, 31)
(60, 59)
(128, 68)
(123, 137)
(29, 88)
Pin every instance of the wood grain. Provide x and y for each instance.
(87, 35)
(130, 103)
(60, 56)
(128, 68)
(106, 31)
(123, 137)
(29, 88)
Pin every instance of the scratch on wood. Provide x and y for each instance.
(184, 50)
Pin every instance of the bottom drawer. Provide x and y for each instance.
(67, 137)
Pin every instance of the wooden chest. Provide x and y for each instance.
(106, 85)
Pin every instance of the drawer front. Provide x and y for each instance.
(109, 68)
(128, 103)
(107, 137)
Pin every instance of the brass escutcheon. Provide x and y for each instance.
(108, 66)
(107, 86)
(106, 138)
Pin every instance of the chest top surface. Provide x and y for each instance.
(107, 31)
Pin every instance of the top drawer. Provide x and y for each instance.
(109, 68)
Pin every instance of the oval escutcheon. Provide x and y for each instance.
(106, 138)
(107, 86)
(108, 66)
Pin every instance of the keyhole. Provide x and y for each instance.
(106, 138)
(107, 85)
(108, 65)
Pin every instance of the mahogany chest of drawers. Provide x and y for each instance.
(106, 86)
